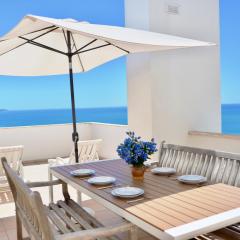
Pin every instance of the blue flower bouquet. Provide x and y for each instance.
(136, 151)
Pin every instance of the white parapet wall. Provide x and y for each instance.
(111, 134)
(50, 141)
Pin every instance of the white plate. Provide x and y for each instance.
(147, 164)
(82, 172)
(101, 180)
(192, 179)
(163, 171)
(127, 192)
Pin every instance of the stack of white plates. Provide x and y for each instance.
(82, 172)
(127, 192)
(101, 180)
(163, 171)
(192, 179)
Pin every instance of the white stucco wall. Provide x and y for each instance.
(139, 95)
(225, 143)
(138, 72)
(182, 87)
(43, 142)
(111, 134)
(50, 141)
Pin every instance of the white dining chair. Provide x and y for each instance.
(87, 151)
(13, 154)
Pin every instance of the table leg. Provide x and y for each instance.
(79, 197)
(50, 177)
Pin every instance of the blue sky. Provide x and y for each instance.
(230, 50)
(104, 86)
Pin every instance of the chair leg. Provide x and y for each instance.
(133, 233)
(19, 227)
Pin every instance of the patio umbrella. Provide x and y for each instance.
(40, 46)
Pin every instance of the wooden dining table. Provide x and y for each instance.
(168, 209)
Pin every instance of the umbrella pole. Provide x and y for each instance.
(75, 136)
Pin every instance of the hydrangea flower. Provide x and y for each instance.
(135, 151)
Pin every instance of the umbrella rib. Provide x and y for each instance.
(79, 58)
(119, 47)
(64, 37)
(31, 39)
(105, 45)
(39, 30)
(43, 46)
(91, 49)
(74, 45)
(77, 52)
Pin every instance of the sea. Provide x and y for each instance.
(114, 115)
(231, 119)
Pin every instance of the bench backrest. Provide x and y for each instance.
(216, 166)
(87, 151)
(29, 206)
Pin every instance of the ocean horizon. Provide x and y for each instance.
(112, 115)
(13, 118)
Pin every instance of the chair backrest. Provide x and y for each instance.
(29, 206)
(87, 151)
(13, 154)
(216, 166)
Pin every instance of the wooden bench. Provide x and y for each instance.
(218, 167)
(58, 221)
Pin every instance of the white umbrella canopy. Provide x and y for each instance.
(40, 46)
(22, 53)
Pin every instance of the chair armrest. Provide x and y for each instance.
(58, 161)
(44, 183)
(97, 232)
